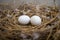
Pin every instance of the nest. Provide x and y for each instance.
(11, 29)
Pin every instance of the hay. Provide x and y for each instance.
(11, 29)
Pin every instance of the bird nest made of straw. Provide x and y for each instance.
(11, 29)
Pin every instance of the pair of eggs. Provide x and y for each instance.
(24, 19)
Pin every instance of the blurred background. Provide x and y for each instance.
(16, 3)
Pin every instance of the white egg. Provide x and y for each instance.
(24, 19)
(35, 20)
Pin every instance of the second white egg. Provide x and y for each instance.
(35, 20)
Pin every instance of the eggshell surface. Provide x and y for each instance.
(24, 19)
(35, 20)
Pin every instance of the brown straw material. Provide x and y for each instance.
(11, 29)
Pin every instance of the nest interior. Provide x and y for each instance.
(11, 29)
